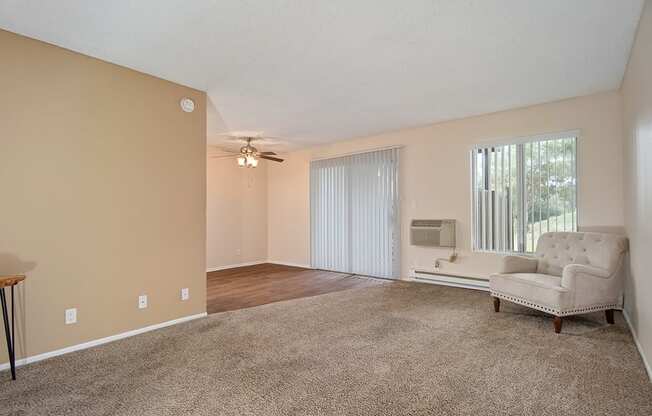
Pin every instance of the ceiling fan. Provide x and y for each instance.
(249, 155)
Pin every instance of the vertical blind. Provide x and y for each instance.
(354, 214)
(523, 190)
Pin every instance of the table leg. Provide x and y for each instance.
(13, 331)
(8, 335)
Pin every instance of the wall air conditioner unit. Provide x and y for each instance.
(432, 233)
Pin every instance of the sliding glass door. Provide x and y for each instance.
(354, 214)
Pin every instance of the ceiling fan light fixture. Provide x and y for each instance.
(249, 156)
(251, 161)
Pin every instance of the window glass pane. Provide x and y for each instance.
(523, 190)
(550, 188)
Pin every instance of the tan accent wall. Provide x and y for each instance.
(435, 176)
(103, 195)
(637, 106)
(236, 217)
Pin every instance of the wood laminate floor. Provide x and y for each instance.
(244, 287)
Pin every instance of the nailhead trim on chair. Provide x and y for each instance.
(555, 312)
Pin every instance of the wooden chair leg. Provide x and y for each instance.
(609, 314)
(496, 304)
(557, 322)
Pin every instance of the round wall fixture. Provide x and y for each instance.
(187, 105)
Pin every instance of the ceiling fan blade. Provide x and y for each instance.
(267, 153)
(256, 137)
(224, 156)
(275, 159)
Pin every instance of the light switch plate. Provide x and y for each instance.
(185, 294)
(142, 301)
(71, 316)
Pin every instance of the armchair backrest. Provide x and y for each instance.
(558, 249)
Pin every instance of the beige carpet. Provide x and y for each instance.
(404, 349)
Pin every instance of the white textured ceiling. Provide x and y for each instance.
(318, 71)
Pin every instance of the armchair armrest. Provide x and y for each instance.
(519, 264)
(573, 272)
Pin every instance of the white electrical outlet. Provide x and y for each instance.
(185, 294)
(71, 316)
(142, 301)
(237, 252)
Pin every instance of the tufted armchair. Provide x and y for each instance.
(570, 273)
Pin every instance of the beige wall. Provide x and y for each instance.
(637, 105)
(103, 195)
(288, 210)
(435, 176)
(236, 213)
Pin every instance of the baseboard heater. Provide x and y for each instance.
(451, 279)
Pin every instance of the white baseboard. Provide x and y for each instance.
(455, 280)
(94, 343)
(638, 345)
(233, 266)
(284, 263)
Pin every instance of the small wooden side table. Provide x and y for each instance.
(10, 281)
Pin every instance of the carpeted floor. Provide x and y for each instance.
(402, 349)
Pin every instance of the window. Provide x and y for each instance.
(522, 190)
(354, 214)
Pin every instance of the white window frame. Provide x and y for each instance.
(577, 133)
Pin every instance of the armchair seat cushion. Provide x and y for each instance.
(536, 290)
